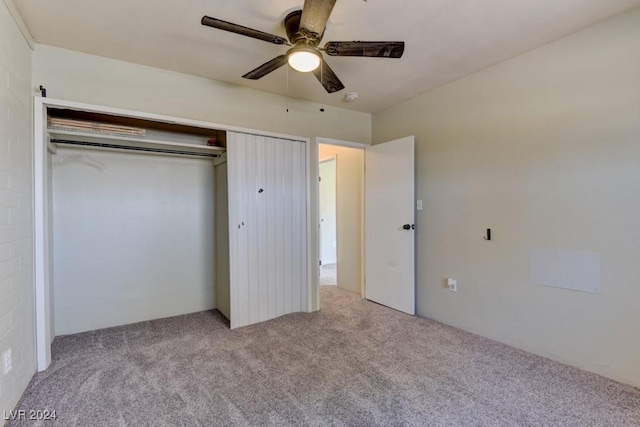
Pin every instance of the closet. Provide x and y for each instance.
(147, 216)
(133, 235)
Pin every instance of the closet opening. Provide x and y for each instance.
(140, 216)
(132, 219)
(132, 237)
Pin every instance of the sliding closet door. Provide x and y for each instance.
(267, 227)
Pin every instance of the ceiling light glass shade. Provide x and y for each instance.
(304, 60)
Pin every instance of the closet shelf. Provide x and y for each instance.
(127, 141)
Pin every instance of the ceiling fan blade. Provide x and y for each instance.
(369, 49)
(266, 68)
(245, 31)
(328, 78)
(315, 14)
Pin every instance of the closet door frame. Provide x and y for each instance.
(41, 211)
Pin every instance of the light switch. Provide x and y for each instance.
(6, 356)
(419, 205)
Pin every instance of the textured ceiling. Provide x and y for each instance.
(445, 39)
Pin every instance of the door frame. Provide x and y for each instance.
(43, 281)
(334, 159)
(316, 210)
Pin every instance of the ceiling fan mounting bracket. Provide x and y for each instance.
(310, 36)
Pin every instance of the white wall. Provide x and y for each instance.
(92, 79)
(544, 149)
(131, 242)
(349, 175)
(16, 225)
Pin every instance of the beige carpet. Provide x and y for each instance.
(355, 363)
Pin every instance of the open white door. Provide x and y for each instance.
(389, 224)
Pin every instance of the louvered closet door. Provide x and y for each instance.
(267, 227)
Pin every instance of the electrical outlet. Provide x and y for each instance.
(453, 284)
(6, 357)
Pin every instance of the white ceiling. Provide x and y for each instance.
(445, 39)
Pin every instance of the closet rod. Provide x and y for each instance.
(126, 147)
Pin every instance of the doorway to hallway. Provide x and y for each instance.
(328, 221)
(341, 192)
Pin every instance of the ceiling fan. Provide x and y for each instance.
(305, 29)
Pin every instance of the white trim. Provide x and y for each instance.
(313, 227)
(44, 334)
(341, 143)
(17, 18)
(332, 158)
(312, 264)
(363, 247)
(40, 238)
(327, 159)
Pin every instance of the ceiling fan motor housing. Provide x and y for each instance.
(295, 34)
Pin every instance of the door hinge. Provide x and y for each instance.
(319, 179)
(320, 262)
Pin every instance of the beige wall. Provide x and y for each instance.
(545, 150)
(16, 212)
(93, 79)
(349, 171)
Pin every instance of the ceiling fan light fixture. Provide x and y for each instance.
(303, 59)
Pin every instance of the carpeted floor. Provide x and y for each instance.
(354, 363)
(329, 274)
